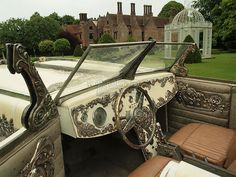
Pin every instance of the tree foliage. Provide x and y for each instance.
(61, 46)
(106, 38)
(171, 9)
(223, 15)
(40, 28)
(12, 31)
(194, 57)
(67, 20)
(130, 39)
(78, 52)
(56, 17)
(46, 47)
(208, 8)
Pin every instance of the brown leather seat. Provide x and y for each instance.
(151, 168)
(208, 142)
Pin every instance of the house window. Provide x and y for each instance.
(142, 36)
(91, 28)
(115, 35)
(130, 33)
(90, 35)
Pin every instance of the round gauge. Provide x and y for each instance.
(84, 117)
(99, 117)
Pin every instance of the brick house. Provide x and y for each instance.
(120, 26)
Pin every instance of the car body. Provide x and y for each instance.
(112, 87)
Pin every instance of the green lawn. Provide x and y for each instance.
(222, 66)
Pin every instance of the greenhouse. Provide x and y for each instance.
(190, 22)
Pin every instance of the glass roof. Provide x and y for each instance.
(188, 15)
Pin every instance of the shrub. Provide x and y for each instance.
(106, 38)
(2, 51)
(130, 39)
(78, 52)
(61, 46)
(46, 47)
(194, 57)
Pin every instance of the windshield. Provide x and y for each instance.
(102, 62)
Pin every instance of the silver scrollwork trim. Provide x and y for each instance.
(190, 97)
(41, 164)
(6, 127)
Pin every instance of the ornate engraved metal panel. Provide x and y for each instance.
(188, 96)
(42, 107)
(6, 127)
(86, 129)
(41, 163)
(150, 83)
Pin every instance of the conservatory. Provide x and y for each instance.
(190, 22)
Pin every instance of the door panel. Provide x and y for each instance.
(39, 151)
(202, 100)
(35, 149)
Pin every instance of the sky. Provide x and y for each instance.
(94, 8)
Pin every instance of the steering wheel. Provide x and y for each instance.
(135, 109)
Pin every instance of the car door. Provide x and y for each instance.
(30, 135)
(203, 100)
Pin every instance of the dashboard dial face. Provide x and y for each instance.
(84, 117)
(99, 117)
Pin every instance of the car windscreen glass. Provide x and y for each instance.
(161, 57)
(103, 62)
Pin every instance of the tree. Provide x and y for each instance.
(61, 46)
(74, 41)
(194, 57)
(56, 17)
(106, 38)
(67, 20)
(208, 8)
(223, 15)
(225, 25)
(39, 29)
(12, 31)
(46, 47)
(171, 9)
(78, 52)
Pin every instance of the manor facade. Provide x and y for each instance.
(120, 26)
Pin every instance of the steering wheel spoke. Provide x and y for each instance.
(140, 115)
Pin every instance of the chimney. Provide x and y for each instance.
(83, 16)
(148, 10)
(145, 9)
(119, 7)
(132, 8)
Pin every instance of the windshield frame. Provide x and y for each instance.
(125, 72)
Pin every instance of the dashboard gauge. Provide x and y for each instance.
(99, 117)
(84, 117)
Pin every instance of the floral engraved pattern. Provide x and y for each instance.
(150, 83)
(6, 127)
(188, 96)
(89, 130)
(41, 163)
(42, 108)
(179, 69)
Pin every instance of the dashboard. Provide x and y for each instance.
(93, 114)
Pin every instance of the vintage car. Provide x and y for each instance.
(64, 117)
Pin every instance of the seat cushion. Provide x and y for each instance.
(205, 141)
(151, 168)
